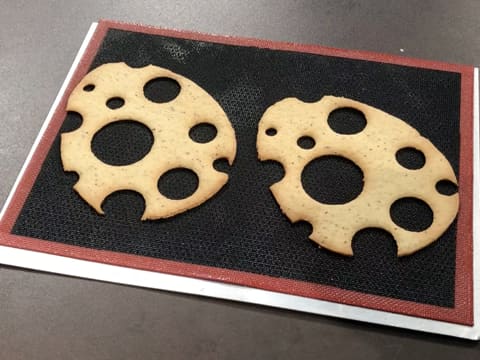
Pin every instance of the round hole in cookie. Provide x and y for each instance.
(203, 133)
(446, 187)
(161, 90)
(122, 142)
(72, 121)
(271, 172)
(71, 178)
(89, 87)
(178, 183)
(411, 214)
(410, 158)
(374, 243)
(115, 103)
(306, 142)
(347, 121)
(271, 132)
(124, 205)
(332, 179)
(221, 165)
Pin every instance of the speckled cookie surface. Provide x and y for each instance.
(373, 149)
(169, 123)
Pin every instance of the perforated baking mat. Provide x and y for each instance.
(238, 245)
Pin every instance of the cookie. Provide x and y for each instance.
(374, 150)
(170, 123)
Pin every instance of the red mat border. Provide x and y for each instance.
(462, 313)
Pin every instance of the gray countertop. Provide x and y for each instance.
(44, 316)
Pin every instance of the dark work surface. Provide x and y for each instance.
(46, 316)
(242, 227)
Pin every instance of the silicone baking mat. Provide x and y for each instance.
(240, 235)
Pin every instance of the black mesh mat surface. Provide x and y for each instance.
(242, 227)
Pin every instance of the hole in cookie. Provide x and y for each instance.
(446, 187)
(115, 103)
(203, 133)
(124, 205)
(347, 121)
(306, 142)
(89, 87)
(374, 243)
(161, 90)
(122, 142)
(221, 165)
(71, 178)
(332, 179)
(272, 172)
(271, 132)
(72, 121)
(410, 158)
(411, 214)
(138, 62)
(302, 230)
(177, 184)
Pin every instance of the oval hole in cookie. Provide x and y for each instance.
(411, 214)
(115, 103)
(446, 187)
(89, 87)
(203, 133)
(347, 121)
(122, 142)
(306, 142)
(161, 90)
(332, 179)
(410, 158)
(177, 184)
(72, 121)
(271, 132)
